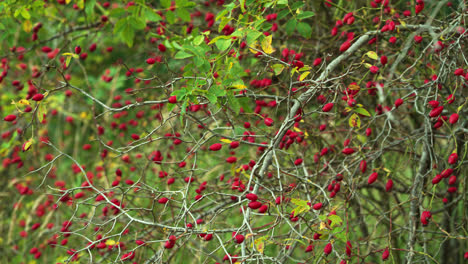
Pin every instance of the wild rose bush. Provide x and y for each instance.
(234, 131)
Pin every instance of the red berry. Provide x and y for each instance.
(239, 238)
(251, 196)
(317, 206)
(398, 102)
(389, 185)
(328, 249)
(172, 99)
(268, 121)
(348, 151)
(327, 107)
(151, 61)
(453, 158)
(372, 177)
(38, 97)
(453, 118)
(216, 147)
(385, 254)
(10, 118)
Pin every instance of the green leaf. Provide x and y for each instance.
(282, 14)
(335, 220)
(183, 14)
(198, 40)
(136, 22)
(25, 13)
(217, 90)
(297, 5)
(182, 55)
(223, 23)
(362, 111)
(252, 36)
(242, 3)
(120, 25)
(282, 2)
(245, 104)
(233, 103)
(89, 6)
(117, 12)
(165, 3)
(278, 68)
(170, 17)
(211, 97)
(128, 34)
(223, 44)
(305, 14)
(304, 29)
(290, 26)
(152, 16)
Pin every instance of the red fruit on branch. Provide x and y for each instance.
(268, 121)
(216, 147)
(327, 107)
(251, 196)
(172, 99)
(345, 46)
(372, 178)
(317, 206)
(10, 118)
(328, 249)
(453, 158)
(389, 185)
(38, 97)
(453, 118)
(348, 151)
(436, 111)
(398, 102)
(425, 217)
(255, 205)
(385, 254)
(239, 238)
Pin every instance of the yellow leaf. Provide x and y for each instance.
(367, 65)
(23, 102)
(27, 144)
(322, 226)
(83, 115)
(239, 86)
(27, 26)
(372, 55)
(266, 45)
(224, 140)
(297, 129)
(111, 242)
(260, 244)
(354, 87)
(303, 76)
(75, 56)
(402, 23)
(354, 121)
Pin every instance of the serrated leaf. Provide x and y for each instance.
(260, 243)
(362, 111)
(303, 76)
(128, 34)
(266, 45)
(136, 22)
(152, 16)
(354, 121)
(372, 55)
